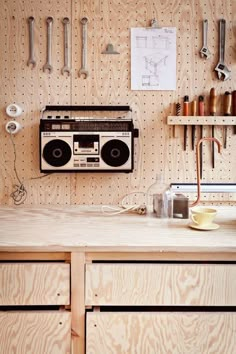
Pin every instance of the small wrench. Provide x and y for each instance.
(48, 65)
(221, 69)
(66, 67)
(31, 59)
(204, 52)
(83, 70)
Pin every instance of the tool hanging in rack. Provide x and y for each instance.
(201, 111)
(186, 113)
(222, 71)
(227, 112)
(194, 113)
(177, 113)
(204, 52)
(234, 108)
(213, 113)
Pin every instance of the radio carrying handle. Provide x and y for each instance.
(87, 108)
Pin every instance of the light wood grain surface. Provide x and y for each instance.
(34, 284)
(86, 229)
(161, 333)
(35, 332)
(109, 84)
(160, 284)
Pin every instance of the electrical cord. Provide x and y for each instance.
(19, 193)
(139, 208)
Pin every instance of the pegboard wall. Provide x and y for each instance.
(109, 84)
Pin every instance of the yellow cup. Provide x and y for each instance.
(203, 216)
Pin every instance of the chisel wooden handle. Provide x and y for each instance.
(234, 107)
(212, 102)
(228, 103)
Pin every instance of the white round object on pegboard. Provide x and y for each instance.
(13, 127)
(13, 110)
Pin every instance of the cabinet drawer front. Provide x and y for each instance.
(35, 332)
(34, 284)
(161, 284)
(161, 333)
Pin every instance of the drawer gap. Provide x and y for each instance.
(165, 309)
(161, 262)
(30, 308)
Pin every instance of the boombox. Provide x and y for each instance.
(86, 144)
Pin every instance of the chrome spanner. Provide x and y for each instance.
(48, 65)
(204, 52)
(222, 71)
(31, 60)
(66, 68)
(84, 70)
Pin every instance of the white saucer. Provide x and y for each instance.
(205, 227)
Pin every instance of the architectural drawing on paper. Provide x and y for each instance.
(161, 42)
(153, 58)
(141, 42)
(150, 80)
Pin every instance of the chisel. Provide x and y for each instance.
(212, 113)
(185, 113)
(234, 108)
(227, 112)
(201, 113)
(194, 113)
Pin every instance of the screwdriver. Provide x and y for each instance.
(194, 113)
(212, 113)
(185, 113)
(234, 108)
(227, 112)
(201, 113)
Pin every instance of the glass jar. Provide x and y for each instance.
(159, 199)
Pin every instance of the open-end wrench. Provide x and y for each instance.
(31, 60)
(48, 65)
(66, 68)
(222, 71)
(204, 52)
(84, 70)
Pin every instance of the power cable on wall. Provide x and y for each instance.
(19, 193)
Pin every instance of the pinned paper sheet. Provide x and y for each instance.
(153, 58)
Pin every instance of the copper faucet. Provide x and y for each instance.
(198, 165)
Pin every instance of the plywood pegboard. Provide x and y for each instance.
(109, 84)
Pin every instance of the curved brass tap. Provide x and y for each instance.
(198, 165)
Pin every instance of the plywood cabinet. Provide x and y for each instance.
(161, 333)
(34, 283)
(204, 290)
(46, 332)
(161, 284)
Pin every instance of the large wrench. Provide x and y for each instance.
(204, 52)
(66, 67)
(48, 65)
(221, 68)
(83, 70)
(31, 59)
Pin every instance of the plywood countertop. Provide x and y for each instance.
(86, 228)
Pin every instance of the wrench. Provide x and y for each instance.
(48, 65)
(31, 59)
(221, 68)
(66, 67)
(83, 70)
(204, 52)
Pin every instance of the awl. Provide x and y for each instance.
(194, 113)
(227, 112)
(185, 113)
(212, 113)
(234, 108)
(201, 111)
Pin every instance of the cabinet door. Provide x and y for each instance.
(161, 333)
(35, 332)
(34, 284)
(161, 284)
